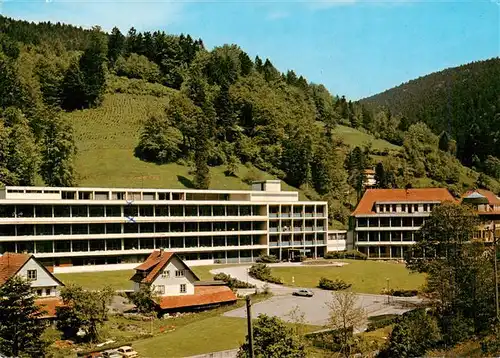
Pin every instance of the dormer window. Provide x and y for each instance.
(32, 275)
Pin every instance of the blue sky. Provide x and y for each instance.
(354, 47)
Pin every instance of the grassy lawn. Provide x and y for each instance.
(120, 280)
(365, 276)
(204, 336)
(354, 137)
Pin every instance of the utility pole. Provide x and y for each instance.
(496, 271)
(250, 329)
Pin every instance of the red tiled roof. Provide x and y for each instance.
(10, 264)
(492, 198)
(48, 305)
(203, 295)
(155, 262)
(372, 196)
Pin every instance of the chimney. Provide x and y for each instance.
(161, 251)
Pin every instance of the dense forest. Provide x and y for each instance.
(221, 108)
(463, 102)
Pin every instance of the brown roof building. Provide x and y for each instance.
(177, 285)
(385, 221)
(45, 285)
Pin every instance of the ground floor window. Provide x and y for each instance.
(183, 288)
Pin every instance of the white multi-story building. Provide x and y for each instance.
(66, 227)
(385, 220)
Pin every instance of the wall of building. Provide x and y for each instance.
(43, 281)
(172, 283)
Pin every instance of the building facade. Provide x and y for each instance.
(66, 227)
(487, 206)
(385, 220)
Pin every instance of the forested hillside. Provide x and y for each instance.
(463, 101)
(84, 107)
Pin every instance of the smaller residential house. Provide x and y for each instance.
(45, 285)
(178, 287)
(487, 206)
(370, 181)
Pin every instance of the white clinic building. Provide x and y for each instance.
(72, 226)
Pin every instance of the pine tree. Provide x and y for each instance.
(246, 64)
(116, 45)
(20, 326)
(58, 150)
(444, 142)
(226, 115)
(73, 88)
(92, 67)
(258, 64)
(202, 171)
(380, 176)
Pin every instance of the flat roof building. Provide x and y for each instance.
(385, 220)
(67, 227)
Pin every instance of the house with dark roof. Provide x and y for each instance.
(385, 221)
(177, 285)
(45, 285)
(487, 205)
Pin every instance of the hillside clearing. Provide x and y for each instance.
(107, 136)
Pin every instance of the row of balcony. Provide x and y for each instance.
(54, 246)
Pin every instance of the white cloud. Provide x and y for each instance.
(143, 15)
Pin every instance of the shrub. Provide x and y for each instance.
(299, 258)
(351, 254)
(267, 259)
(382, 322)
(263, 272)
(414, 334)
(333, 285)
(402, 293)
(232, 282)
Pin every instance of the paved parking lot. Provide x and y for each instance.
(315, 310)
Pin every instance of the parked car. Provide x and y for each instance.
(127, 351)
(303, 292)
(112, 353)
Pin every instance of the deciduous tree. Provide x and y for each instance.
(273, 339)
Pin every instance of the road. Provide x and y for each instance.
(314, 308)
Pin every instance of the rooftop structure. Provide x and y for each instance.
(177, 285)
(385, 221)
(91, 227)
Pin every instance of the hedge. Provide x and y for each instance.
(333, 285)
(351, 254)
(263, 272)
(402, 293)
(267, 259)
(232, 282)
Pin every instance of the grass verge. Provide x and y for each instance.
(365, 276)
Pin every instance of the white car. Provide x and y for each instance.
(111, 353)
(127, 351)
(303, 292)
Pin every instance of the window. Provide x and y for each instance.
(165, 274)
(183, 288)
(426, 208)
(39, 292)
(31, 274)
(48, 291)
(179, 273)
(160, 289)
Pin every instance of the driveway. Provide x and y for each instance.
(314, 308)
